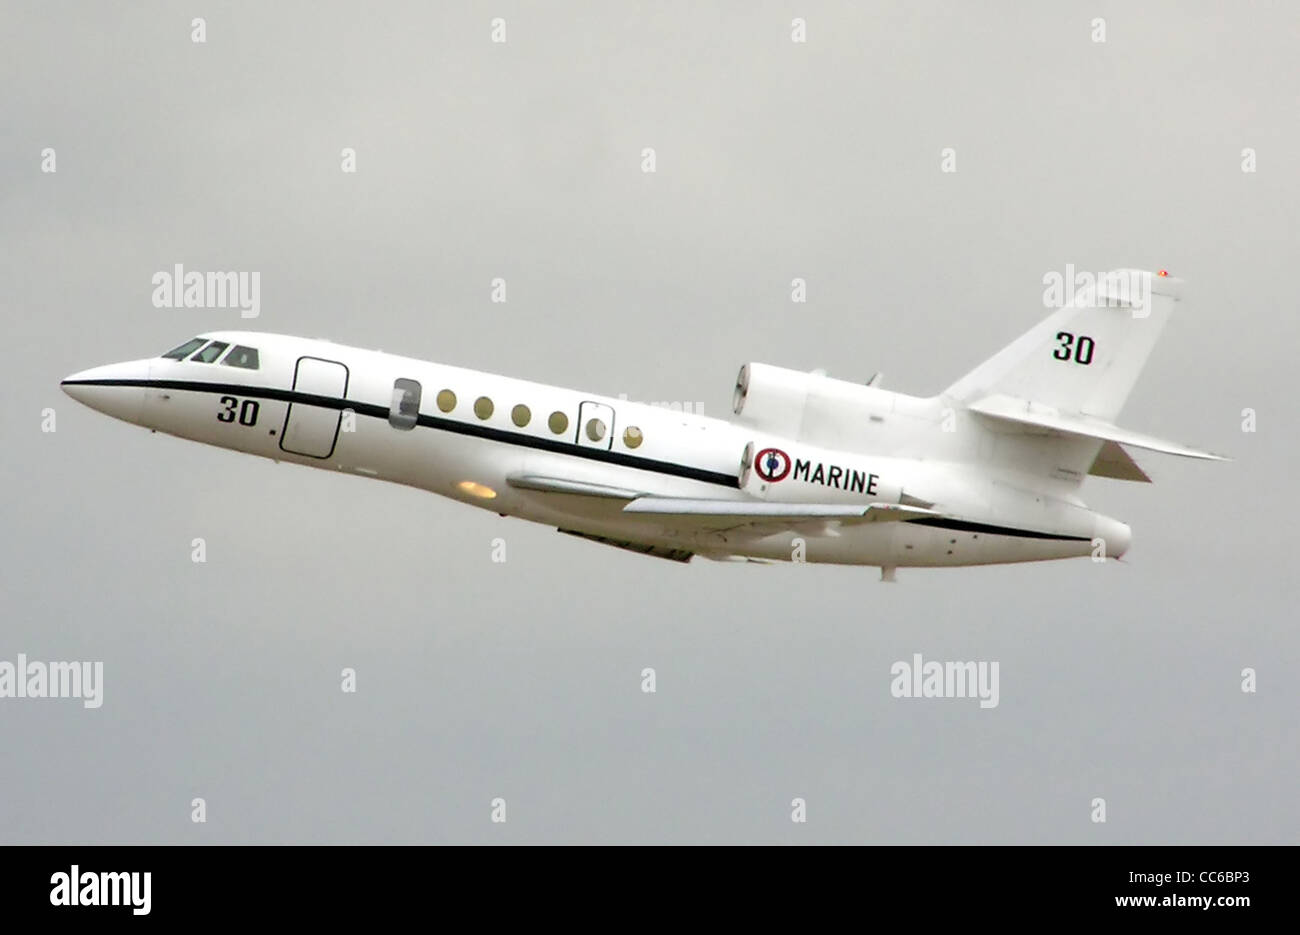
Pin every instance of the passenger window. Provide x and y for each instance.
(446, 400)
(483, 407)
(520, 415)
(632, 437)
(558, 422)
(186, 349)
(405, 412)
(241, 356)
(595, 429)
(210, 353)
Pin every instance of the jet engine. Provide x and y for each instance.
(769, 471)
(824, 411)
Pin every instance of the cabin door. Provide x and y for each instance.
(311, 428)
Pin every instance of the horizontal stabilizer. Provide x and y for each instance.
(1030, 416)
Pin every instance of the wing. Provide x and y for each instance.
(686, 517)
(584, 488)
(764, 517)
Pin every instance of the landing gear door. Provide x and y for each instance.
(595, 426)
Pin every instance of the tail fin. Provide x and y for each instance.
(1084, 358)
(1051, 397)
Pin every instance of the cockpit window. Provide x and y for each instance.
(241, 356)
(186, 349)
(210, 353)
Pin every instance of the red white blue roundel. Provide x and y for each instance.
(772, 464)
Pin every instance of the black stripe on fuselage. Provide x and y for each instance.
(530, 441)
(961, 525)
(435, 422)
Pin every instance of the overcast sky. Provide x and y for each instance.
(522, 160)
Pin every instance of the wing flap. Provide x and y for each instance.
(644, 548)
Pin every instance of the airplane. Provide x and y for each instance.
(811, 469)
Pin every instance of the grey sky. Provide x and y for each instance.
(521, 160)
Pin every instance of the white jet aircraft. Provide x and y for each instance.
(812, 469)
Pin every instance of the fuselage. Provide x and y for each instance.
(485, 439)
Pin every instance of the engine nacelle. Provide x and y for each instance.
(773, 469)
(824, 411)
(771, 398)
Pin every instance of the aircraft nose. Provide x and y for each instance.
(117, 390)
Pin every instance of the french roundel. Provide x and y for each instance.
(772, 464)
